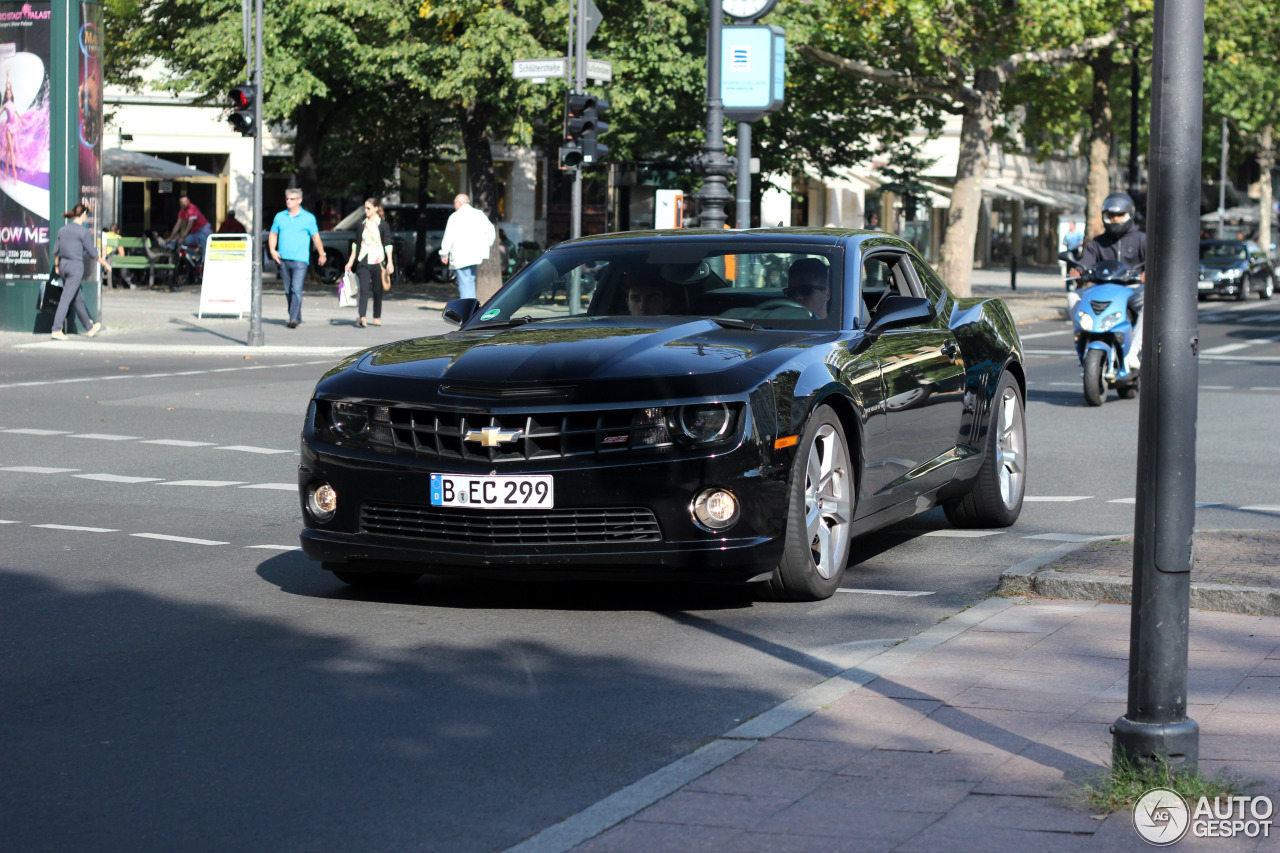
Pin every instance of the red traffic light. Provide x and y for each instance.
(242, 97)
(243, 100)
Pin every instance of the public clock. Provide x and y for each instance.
(748, 10)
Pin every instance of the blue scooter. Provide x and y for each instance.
(1104, 328)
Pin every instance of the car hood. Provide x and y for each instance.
(1222, 263)
(604, 349)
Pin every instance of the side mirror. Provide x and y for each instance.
(896, 312)
(458, 311)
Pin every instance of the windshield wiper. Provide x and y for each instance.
(733, 323)
(504, 324)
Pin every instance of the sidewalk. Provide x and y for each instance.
(160, 322)
(970, 736)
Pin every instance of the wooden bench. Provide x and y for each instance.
(137, 257)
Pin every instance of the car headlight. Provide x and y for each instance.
(1109, 322)
(1085, 319)
(349, 420)
(1231, 275)
(702, 423)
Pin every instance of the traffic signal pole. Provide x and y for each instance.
(1155, 729)
(579, 87)
(256, 336)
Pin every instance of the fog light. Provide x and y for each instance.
(322, 501)
(715, 509)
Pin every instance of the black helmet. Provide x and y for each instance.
(1118, 204)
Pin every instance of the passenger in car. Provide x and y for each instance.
(807, 284)
(646, 299)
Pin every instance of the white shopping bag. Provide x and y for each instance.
(347, 288)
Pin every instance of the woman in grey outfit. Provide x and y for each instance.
(74, 242)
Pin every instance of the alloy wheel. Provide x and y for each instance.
(1011, 447)
(828, 501)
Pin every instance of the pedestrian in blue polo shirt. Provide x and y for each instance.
(292, 231)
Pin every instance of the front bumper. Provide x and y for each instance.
(368, 484)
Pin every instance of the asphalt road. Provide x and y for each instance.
(177, 676)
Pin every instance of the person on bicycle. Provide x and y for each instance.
(192, 227)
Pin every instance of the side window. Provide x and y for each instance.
(933, 286)
(877, 281)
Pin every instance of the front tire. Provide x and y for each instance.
(1242, 292)
(819, 513)
(1095, 386)
(995, 498)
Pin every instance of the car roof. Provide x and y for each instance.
(811, 236)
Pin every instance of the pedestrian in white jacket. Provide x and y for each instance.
(468, 236)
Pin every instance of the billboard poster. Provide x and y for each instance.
(89, 112)
(25, 31)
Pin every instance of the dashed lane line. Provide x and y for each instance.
(245, 448)
(117, 478)
(894, 592)
(179, 442)
(1262, 508)
(283, 487)
(188, 540)
(39, 431)
(212, 484)
(103, 436)
(37, 469)
(1045, 334)
(1055, 498)
(1065, 537)
(162, 375)
(276, 547)
(963, 534)
(77, 528)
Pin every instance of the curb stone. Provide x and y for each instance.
(1030, 577)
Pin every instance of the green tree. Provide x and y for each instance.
(958, 56)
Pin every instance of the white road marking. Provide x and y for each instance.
(283, 487)
(963, 534)
(1263, 388)
(1124, 501)
(1216, 387)
(185, 539)
(894, 592)
(36, 469)
(1226, 348)
(1062, 352)
(178, 442)
(245, 448)
(1056, 498)
(157, 375)
(1065, 537)
(208, 483)
(7, 521)
(276, 547)
(40, 431)
(77, 528)
(104, 436)
(1046, 334)
(1275, 509)
(117, 478)
(1066, 384)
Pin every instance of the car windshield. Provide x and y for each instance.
(770, 286)
(1223, 252)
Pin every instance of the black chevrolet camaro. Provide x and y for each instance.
(707, 405)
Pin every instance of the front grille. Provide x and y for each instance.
(1099, 306)
(440, 434)
(480, 527)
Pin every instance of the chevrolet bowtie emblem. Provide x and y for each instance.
(493, 436)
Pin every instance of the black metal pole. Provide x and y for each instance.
(1013, 270)
(256, 336)
(742, 211)
(1155, 727)
(714, 196)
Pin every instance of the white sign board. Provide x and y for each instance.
(539, 69)
(227, 286)
(600, 70)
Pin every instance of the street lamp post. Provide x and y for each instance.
(256, 336)
(1155, 728)
(715, 165)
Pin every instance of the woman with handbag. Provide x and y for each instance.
(373, 251)
(74, 242)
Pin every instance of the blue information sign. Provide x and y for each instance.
(752, 71)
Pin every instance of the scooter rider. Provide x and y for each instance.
(1123, 242)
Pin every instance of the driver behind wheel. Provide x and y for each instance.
(646, 299)
(807, 284)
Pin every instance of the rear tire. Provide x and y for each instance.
(819, 513)
(995, 497)
(372, 580)
(1095, 387)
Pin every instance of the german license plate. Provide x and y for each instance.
(515, 492)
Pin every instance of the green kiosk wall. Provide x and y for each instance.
(50, 147)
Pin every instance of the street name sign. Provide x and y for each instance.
(539, 70)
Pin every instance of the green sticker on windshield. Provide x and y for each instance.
(490, 314)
